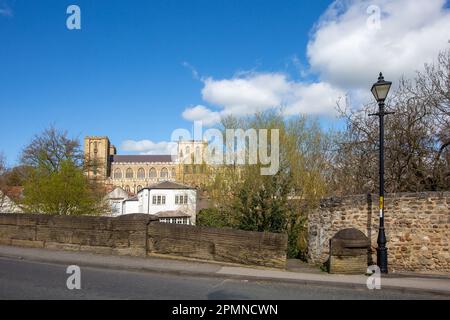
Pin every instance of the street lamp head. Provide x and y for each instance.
(380, 89)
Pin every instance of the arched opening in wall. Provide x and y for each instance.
(152, 173)
(138, 188)
(198, 155)
(117, 174)
(164, 173)
(141, 174)
(127, 188)
(129, 174)
(174, 174)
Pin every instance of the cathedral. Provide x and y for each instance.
(135, 172)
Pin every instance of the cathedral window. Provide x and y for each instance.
(164, 173)
(129, 173)
(117, 174)
(152, 173)
(141, 173)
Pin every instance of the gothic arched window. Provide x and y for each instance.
(174, 174)
(141, 173)
(138, 188)
(127, 188)
(188, 150)
(164, 173)
(152, 173)
(129, 174)
(117, 174)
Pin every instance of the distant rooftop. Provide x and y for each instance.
(172, 214)
(141, 158)
(169, 185)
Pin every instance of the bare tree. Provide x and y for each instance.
(417, 138)
(50, 148)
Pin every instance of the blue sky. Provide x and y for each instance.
(137, 70)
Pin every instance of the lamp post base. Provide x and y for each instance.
(382, 259)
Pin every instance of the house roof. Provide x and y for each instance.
(118, 193)
(14, 192)
(172, 214)
(142, 158)
(132, 199)
(166, 185)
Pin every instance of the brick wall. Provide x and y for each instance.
(417, 228)
(139, 235)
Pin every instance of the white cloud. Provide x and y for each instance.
(254, 92)
(201, 113)
(148, 147)
(348, 53)
(246, 94)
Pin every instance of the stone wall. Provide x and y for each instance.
(417, 228)
(124, 235)
(140, 235)
(253, 248)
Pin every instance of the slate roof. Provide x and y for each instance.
(172, 214)
(167, 185)
(142, 158)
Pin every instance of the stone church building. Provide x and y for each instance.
(135, 172)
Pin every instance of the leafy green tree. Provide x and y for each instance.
(62, 192)
(247, 200)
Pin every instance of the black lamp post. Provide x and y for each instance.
(380, 90)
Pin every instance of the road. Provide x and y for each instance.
(22, 279)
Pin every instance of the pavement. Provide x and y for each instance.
(407, 284)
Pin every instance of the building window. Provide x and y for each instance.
(129, 174)
(174, 174)
(139, 188)
(152, 173)
(159, 200)
(127, 188)
(188, 151)
(181, 199)
(164, 173)
(141, 174)
(117, 174)
(186, 169)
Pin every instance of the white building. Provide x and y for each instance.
(115, 200)
(7, 205)
(169, 201)
(130, 206)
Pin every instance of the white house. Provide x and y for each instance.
(169, 201)
(130, 206)
(115, 200)
(7, 205)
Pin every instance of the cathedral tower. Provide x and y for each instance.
(97, 152)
